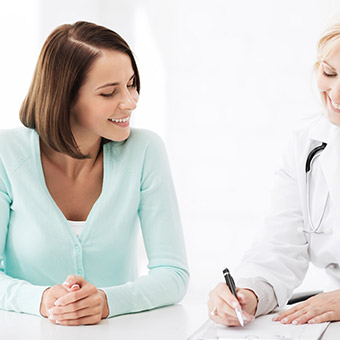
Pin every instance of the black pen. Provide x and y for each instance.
(231, 285)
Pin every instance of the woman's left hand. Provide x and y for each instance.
(323, 307)
(85, 306)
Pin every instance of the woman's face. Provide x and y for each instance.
(328, 81)
(106, 100)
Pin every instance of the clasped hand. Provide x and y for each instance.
(75, 302)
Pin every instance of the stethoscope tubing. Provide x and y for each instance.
(313, 155)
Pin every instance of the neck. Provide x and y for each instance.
(72, 167)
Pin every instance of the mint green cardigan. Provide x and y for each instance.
(38, 248)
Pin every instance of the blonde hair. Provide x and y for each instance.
(327, 42)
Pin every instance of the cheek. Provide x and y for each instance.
(135, 96)
(322, 82)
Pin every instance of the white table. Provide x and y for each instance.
(168, 323)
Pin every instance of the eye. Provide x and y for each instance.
(330, 75)
(132, 83)
(107, 95)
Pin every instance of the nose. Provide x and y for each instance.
(129, 99)
(334, 91)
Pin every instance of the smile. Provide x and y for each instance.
(336, 106)
(122, 120)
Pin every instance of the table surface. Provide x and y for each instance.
(174, 322)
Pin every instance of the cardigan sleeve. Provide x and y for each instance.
(167, 280)
(15, 295)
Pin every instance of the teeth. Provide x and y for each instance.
(335, 105)
(120, 120)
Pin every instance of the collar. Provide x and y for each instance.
(322, 129)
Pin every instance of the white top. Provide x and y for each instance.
(77, 226)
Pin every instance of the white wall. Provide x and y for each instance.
(223, 82)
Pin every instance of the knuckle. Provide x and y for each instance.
(93, 290)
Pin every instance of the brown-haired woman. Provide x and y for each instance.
(76, 183)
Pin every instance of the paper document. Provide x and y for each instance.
(261, 328)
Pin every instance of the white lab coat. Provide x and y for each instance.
(282, 253)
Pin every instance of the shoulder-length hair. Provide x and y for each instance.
(61, 70)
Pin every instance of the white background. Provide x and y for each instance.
(223, 83)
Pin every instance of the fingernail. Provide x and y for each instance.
(311, 321)
(66, 283)
(284, 320)
(56, 321)
(236, 305)
(75, 286)
(57, 303)
(52, 310)
(295, 322)
(52, 317)
(275, 318)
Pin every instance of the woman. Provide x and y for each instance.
(76, 182)
(303, 225)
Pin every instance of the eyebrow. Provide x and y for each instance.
(325, 62)
(113, 84)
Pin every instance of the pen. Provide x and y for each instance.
(231, 284)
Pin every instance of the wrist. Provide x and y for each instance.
(43, 310)
(105, 310)
(255, 300)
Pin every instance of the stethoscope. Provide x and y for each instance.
(313, 155)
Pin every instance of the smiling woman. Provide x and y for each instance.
(76, 183)
(302, 226)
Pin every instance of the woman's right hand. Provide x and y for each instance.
(222, 304)
(51, 295)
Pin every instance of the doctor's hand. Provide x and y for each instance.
(323, 307)
(83, 306)
(222, 302)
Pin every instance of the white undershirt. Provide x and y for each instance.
(77, 226)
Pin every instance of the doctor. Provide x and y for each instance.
(304, 221)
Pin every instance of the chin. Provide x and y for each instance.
(334, 118)
(119, 136)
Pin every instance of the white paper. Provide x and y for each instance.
(261, 328)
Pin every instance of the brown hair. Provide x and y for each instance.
(62, 67)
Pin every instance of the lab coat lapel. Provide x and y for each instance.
(330, 165)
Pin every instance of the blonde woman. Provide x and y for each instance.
(304, 222)
(75, 184)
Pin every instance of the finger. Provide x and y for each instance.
(226, 320)
(73, 288)
(73, 279)
(87, 320)
(77, 305)
(77, 314)
(304, 318)
(293, 316)
(325, 317)
(82, 293)
(241, 298)
(287, 313)
(224, 293)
